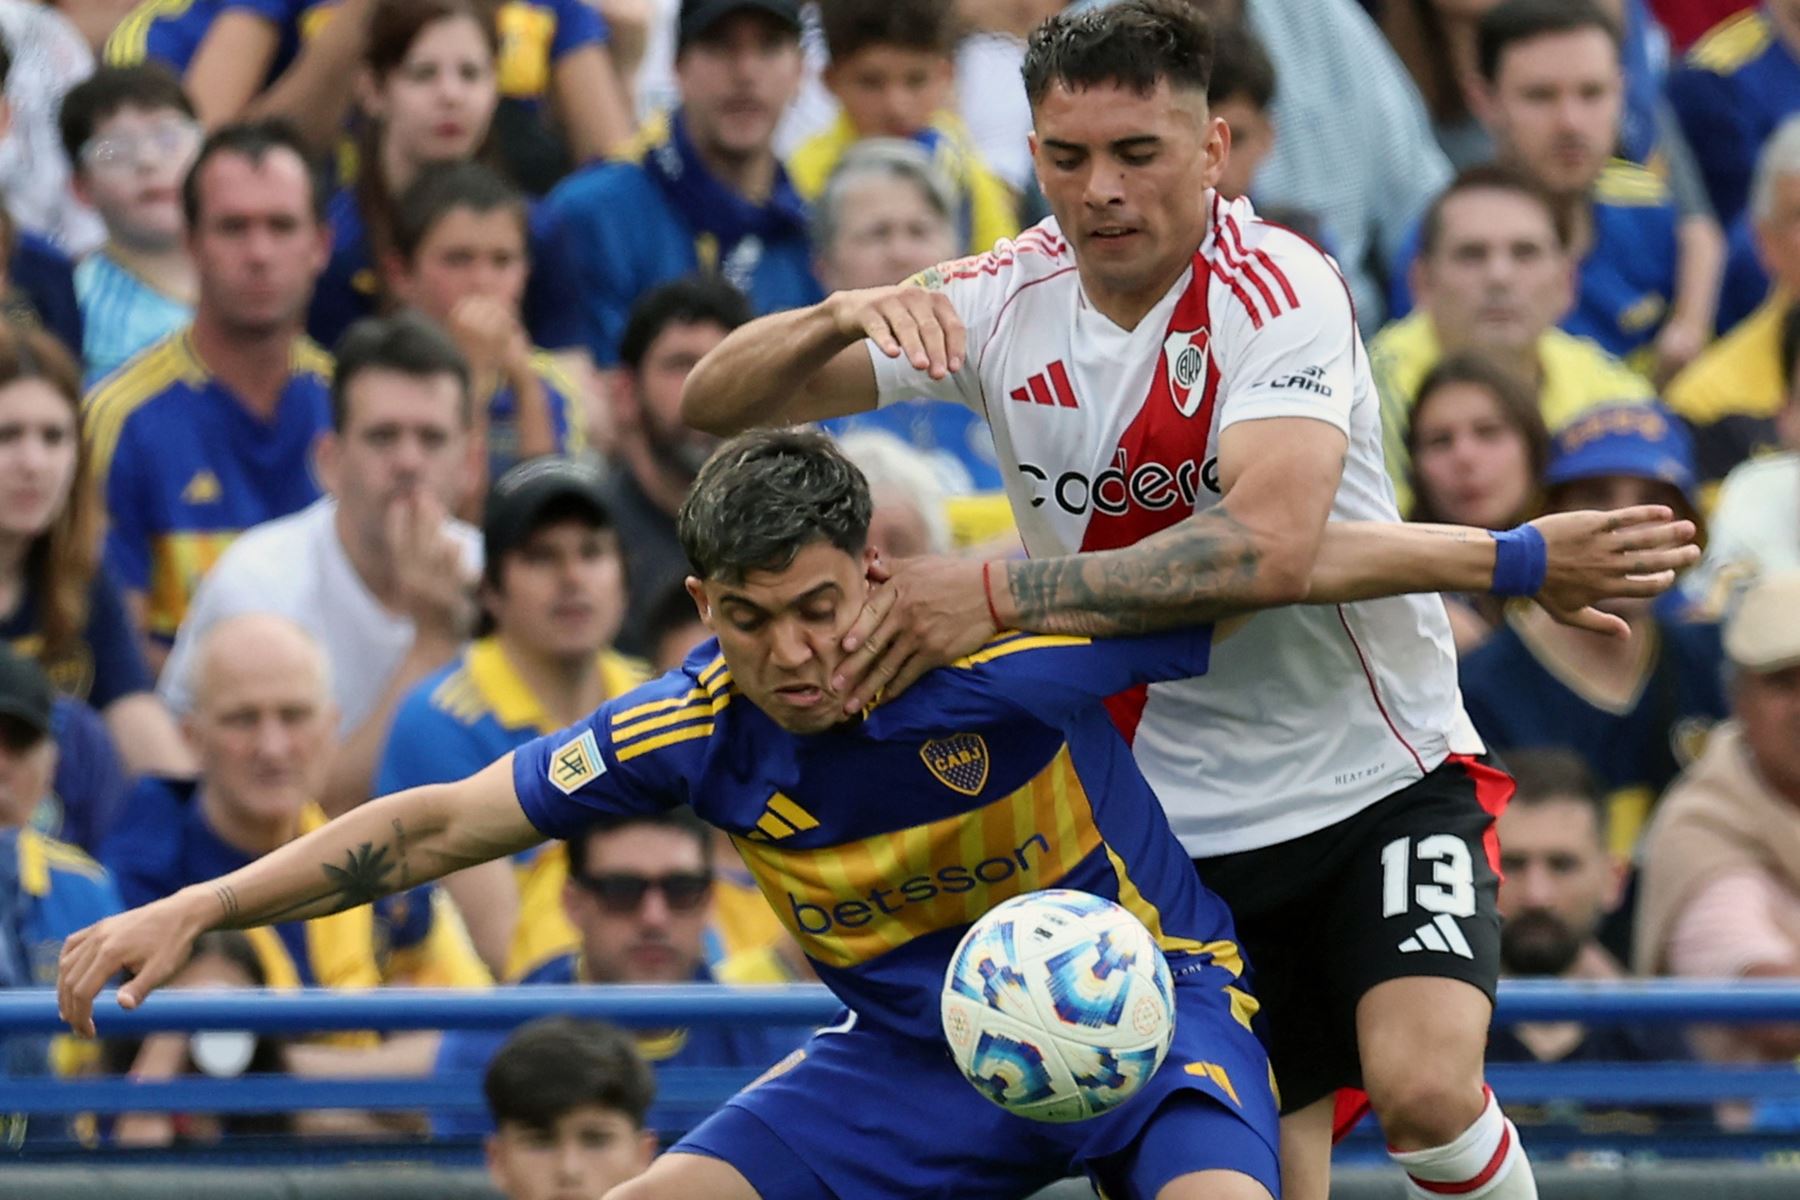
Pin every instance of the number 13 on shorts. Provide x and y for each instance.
(1444, 892)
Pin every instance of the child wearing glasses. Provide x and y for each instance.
(131, 134)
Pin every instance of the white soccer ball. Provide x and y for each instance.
(1058, 1005)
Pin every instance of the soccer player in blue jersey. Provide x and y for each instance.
(879, 839)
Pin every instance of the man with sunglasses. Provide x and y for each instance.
(639, 894)
(878, 836)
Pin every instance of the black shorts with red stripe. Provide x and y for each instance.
(1406, 887)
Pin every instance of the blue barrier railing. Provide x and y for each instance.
(34, 1010)
(693, 1092)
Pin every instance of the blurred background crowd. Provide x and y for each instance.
(340, 444)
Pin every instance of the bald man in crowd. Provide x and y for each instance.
(262, 727)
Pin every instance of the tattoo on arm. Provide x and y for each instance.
(228, 902)
(1203, 569)
(365, 876)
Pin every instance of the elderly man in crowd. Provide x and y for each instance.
(1721, 873)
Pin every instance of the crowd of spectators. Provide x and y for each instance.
(340, 445)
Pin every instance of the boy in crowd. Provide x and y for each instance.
(460, 257)
(130, 133)
(891, 69)
(568, 1100)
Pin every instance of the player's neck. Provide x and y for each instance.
(1127, 308)
(254, 367)
(566, 687)
(252, 837)
(169, 271)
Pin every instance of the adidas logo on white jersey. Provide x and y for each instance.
(1439, 934)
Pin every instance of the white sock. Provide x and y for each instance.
(1485, 1162)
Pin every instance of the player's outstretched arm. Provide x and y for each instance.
(1589, 557)
(808, 364)
(386, 845)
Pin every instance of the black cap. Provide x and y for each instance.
(25, 693)
(519, 498)
(699, 16)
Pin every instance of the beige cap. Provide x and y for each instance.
(1763, 635)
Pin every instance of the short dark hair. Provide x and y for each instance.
(1241, 68)
(6, 60)
(442, 188)
(1545, 773)
(682, 820)
(764, 496)
(854, 25)
(552, 1066)
(1134, 44)
(690, 300)
(1514, 21)
(405, 342)
(1497, 177)
(254, 140)
(94, 100)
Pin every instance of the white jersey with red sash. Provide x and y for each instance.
(1107, 435)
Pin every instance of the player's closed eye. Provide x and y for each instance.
(622, 892)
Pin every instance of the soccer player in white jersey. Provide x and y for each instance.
(1183, 408)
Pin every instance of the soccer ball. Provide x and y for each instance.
(1058, 1005)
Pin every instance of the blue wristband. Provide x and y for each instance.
(1521, 561)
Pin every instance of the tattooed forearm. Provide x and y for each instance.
(400, 855)
(1203, 569)
(367, 874)
(228, 902)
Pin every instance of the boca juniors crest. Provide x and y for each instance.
(959, 761)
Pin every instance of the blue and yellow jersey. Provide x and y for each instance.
(880, 841)
(561, 392)
(170, 31)
(457, 721)
(162, 843)
(61, 891)
(1521, 695)
(534, 35)
(348, 289)
(184, 467)
(987, 210)
(1733, 88)
(633, 225)
(1731, 395)
(1626, 283)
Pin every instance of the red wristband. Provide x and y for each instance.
(987, 590)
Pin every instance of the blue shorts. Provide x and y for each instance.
(867, 1114)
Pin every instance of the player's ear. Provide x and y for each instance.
(702, 605)
(328, 460)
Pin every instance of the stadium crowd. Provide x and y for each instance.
(341, 446)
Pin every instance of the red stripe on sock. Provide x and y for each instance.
(1466, 1186)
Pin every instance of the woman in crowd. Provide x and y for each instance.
(886, 215)
(430, 93)
(1478, 449)
(57, 604)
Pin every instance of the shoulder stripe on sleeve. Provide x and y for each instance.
(996, 650)
(712, 671)
(703, 707)
(692, 696)
(1263, 260)
(663, 739)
